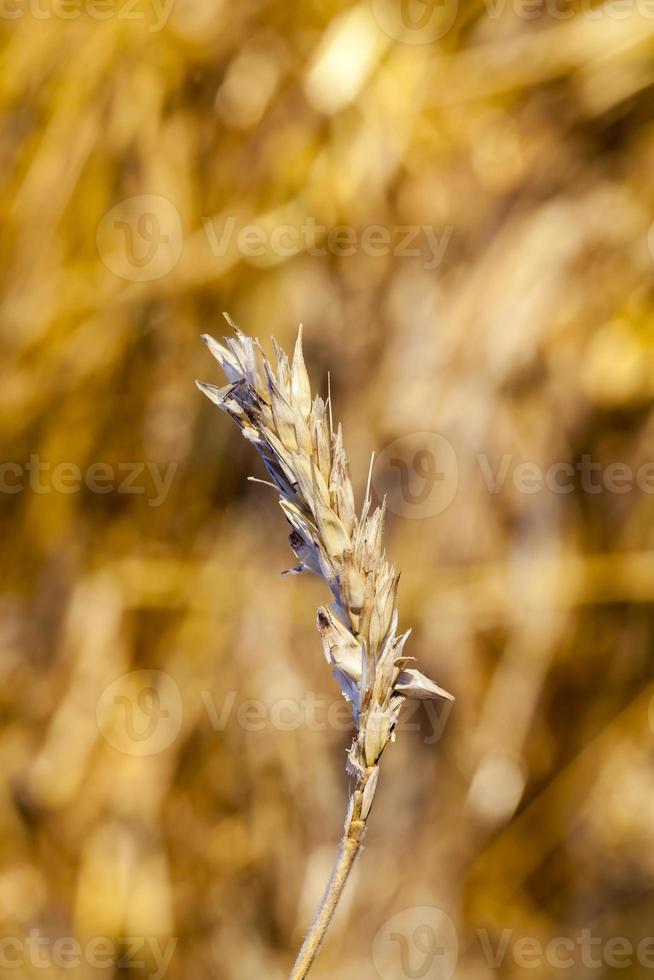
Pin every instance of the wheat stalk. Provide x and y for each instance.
(306, 461)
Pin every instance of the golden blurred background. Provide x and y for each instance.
(456, 201)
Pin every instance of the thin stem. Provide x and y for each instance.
(355, 828)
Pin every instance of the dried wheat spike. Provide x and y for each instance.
(307, 464)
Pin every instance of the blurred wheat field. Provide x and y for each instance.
(458, 207)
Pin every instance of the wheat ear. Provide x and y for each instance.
(306, 461)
